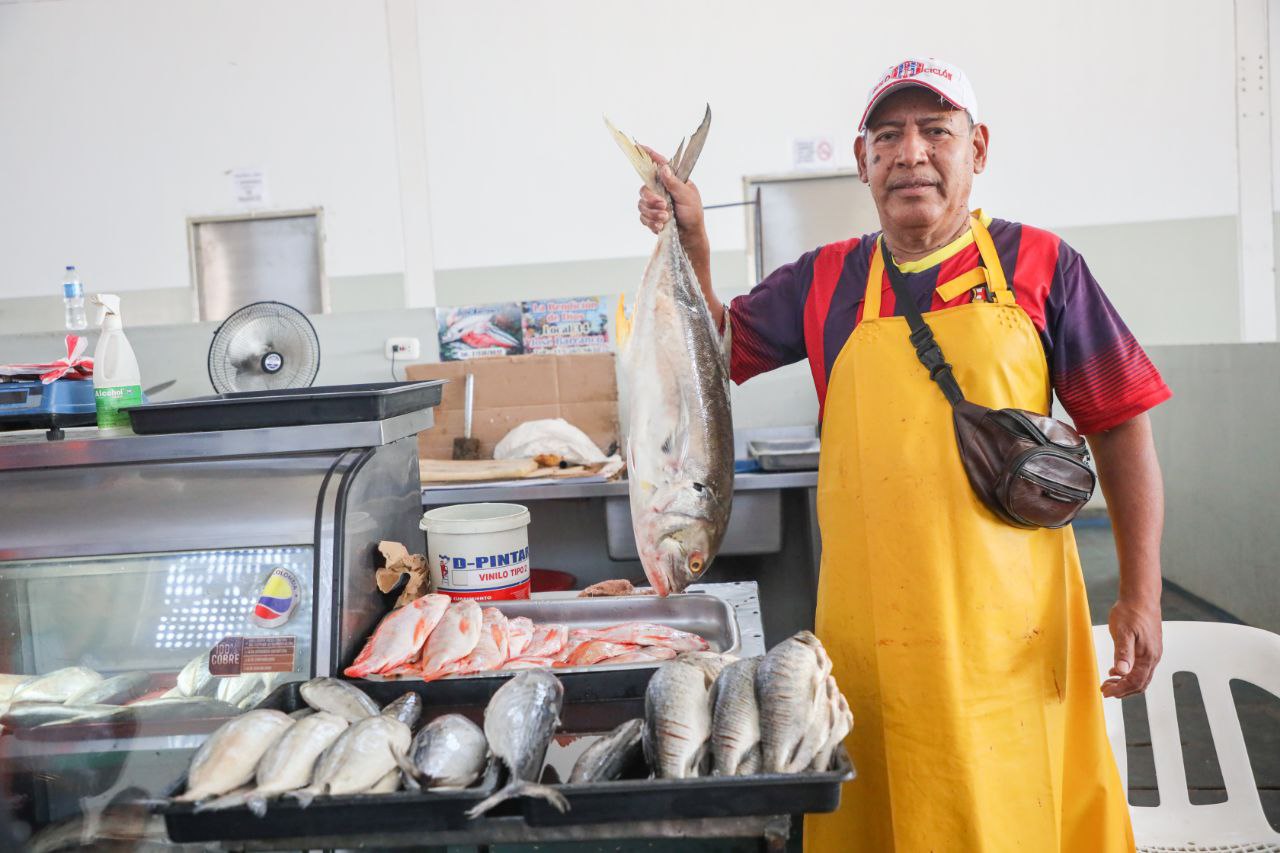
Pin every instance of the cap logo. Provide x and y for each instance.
(913, 68)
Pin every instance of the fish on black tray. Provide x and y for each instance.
(519, 722)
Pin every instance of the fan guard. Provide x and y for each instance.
(262, 347)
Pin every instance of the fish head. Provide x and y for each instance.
(688, 521)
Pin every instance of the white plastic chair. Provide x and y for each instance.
(1216, 653)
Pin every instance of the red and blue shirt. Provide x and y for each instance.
(808, 309)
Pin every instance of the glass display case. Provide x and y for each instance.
(153, 587)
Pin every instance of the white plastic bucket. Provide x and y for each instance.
(479, 551)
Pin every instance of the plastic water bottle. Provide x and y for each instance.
(73, 300)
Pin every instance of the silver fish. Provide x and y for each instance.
(290, 763)
(360, 757)
(58, 686)
(195, 678)
(26, 715)
(735, 719)
(608, 757)
(680, 436)
(519, 722)
(407, 709)
(230, 756)
(677, 713)
(115, 690)
(449, 752)
(338, 697)
(302, 713)
(181, 708)
(791, 692)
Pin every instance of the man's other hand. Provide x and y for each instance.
(1135, 630)
(654, 211)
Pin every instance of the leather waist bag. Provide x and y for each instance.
(1031, 470)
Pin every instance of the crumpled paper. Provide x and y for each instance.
(398, 563)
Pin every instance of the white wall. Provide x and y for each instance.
(1100, 111)
(119, 118)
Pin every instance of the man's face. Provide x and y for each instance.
(919, 156)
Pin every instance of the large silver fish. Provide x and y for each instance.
(608, 757)
(230, 756)
(338, 697)
(359, 759)
(791, 689)
(288, 765)
(680, 430)
(57, 686)
(735, 720)
(519, 722)
(26, 715)
(115, 690)
(677, 719)
(449, 752)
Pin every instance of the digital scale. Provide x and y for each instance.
(34, 405)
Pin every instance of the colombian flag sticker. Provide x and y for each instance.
(278, 599)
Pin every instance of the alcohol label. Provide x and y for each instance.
(111, 402)
(240, 655)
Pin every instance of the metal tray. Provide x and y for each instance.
(424, 811)
(786, 454)
(710, 796)
(711, 617)
(287, 407)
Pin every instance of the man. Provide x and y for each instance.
(962, 642)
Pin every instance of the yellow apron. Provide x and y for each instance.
(962, 643)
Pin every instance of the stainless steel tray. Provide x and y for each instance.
(785, 454)
(726, 615)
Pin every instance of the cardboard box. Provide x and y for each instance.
(582, 389)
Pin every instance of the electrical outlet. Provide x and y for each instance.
(403, 349)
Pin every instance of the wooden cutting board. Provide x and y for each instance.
(474, 470)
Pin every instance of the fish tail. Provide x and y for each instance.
(411, 773)
(257, 804)
(639, 158)
(520, 788)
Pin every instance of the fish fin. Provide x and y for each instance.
(304, 796)
(411, 773)
(226, 801)
(622, 323)
(640, 159)
(520, 788)
(684, 167)
(257, 804)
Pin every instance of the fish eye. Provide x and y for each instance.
(697, 487)
(696, 563)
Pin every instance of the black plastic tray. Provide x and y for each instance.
(329, 404)
(402, 811)
(710, 796)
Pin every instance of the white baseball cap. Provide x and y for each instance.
(938, 76)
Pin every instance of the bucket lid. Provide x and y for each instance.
(474, 518)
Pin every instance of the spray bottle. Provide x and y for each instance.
(116, 383)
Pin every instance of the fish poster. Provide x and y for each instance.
(564, 326)
(480, 331)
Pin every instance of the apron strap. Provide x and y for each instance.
(871, 300)
(991, 260)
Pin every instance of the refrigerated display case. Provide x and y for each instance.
(132, 558)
